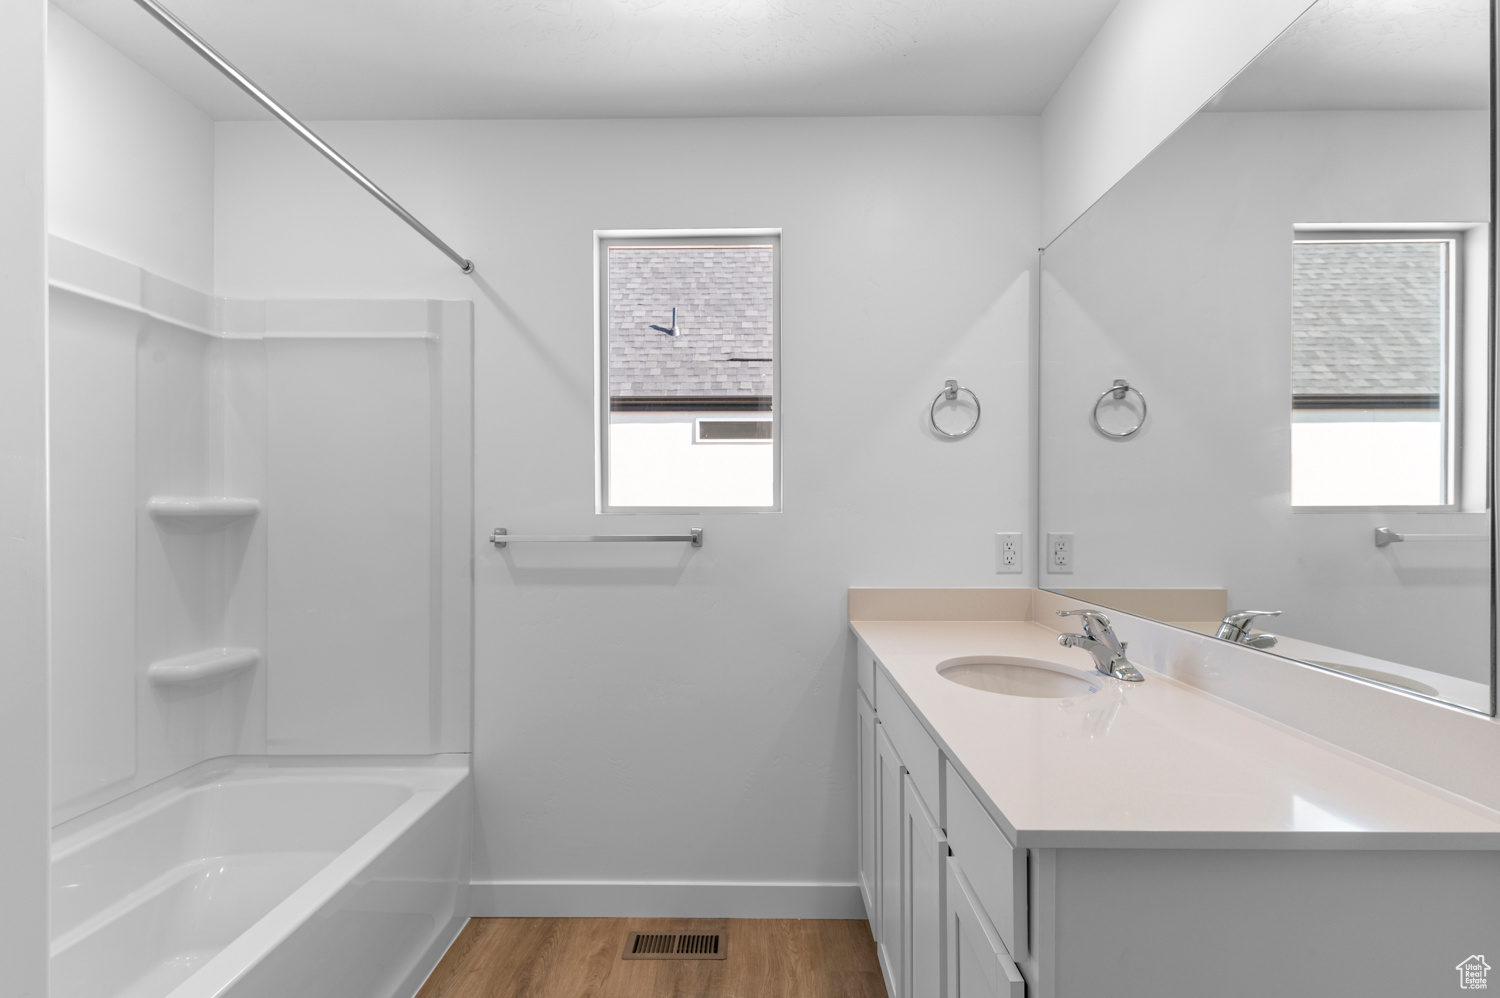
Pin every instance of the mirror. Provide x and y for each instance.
(1290, 298)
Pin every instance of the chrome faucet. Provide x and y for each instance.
(1099, 640)
(1236, 627)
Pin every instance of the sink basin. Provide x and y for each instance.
(1017, 677)
(1389, 678)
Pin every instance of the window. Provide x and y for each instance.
(1376, 338)
(688, 340)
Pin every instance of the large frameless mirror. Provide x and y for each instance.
(1266, 360)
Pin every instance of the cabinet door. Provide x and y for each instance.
(888, 779)
(868, 815)
(978, 965)
(925, 855)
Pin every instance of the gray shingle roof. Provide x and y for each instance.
(723, 297)
(1367, 318)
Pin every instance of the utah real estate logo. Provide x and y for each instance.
(1472, 974)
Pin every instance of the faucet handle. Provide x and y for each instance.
(1236, 626)
(1087, 615)
(1242, 617)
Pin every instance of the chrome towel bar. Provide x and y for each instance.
(501, 537)
(1385, 536)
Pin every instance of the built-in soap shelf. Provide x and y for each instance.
(211, 663)
(201, 512)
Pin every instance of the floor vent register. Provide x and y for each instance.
(673, 946)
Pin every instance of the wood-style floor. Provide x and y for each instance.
(580, 958)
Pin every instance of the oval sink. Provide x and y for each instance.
(1389, 678)
(1017, 677)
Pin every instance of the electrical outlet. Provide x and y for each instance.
(1060, 554)
(1007, 553)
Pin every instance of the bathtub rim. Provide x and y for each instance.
(97, 821)
(432, 780)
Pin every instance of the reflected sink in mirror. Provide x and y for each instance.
(1017, 677)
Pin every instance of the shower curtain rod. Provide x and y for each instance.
(240, 80)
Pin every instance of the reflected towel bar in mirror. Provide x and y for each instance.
(501, 537)
(1385, 536)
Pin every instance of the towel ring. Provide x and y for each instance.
(1117, 392)
(950, 392)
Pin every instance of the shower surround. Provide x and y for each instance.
(261, 546)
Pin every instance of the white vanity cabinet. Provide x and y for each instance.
(1149, 842)
(905, 859)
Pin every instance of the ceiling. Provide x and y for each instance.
(374, 59)
(1372, 55)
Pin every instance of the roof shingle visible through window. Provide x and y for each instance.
(1367, 318)
(723, 297)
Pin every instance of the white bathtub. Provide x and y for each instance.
(265, 878)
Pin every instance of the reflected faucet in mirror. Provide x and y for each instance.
(1099, 640)
(1236, 627)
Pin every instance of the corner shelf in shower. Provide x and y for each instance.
(201, 512)
(210, 663)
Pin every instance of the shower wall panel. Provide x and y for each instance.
(92, 399)
(349, 582)
(351, 516)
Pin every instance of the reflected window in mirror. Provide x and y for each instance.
(1377, 370)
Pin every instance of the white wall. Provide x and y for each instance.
(1151, 66)
(23, 554)
(1180, 282)
(650, 714)
(129, 160)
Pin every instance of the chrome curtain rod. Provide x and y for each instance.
(197, 44)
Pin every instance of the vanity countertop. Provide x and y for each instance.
(1156, 764)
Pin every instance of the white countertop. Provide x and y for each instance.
(1156, 764)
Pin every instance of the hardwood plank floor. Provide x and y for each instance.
(580, 958)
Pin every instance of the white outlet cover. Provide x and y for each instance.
(1059, 554)
(1008, 556)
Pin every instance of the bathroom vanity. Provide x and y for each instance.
(1142, 839)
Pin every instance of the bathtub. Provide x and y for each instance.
(261, 877)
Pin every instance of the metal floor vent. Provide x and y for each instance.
(674, 946)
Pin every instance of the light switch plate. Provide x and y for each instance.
(1008, 558)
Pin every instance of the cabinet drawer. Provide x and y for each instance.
(978, 965)
(996, 870)
(917, 749)
(864, 670)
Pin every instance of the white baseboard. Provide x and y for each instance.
(616, 899)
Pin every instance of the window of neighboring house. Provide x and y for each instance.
(1376, 349)
(688, 361)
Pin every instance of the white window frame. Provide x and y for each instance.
(603, 240)
(1464, 401)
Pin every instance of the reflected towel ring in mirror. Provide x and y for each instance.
(1118, 392)
(949, 393)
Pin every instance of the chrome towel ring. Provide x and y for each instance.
(949, 393)
(1118, 392)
